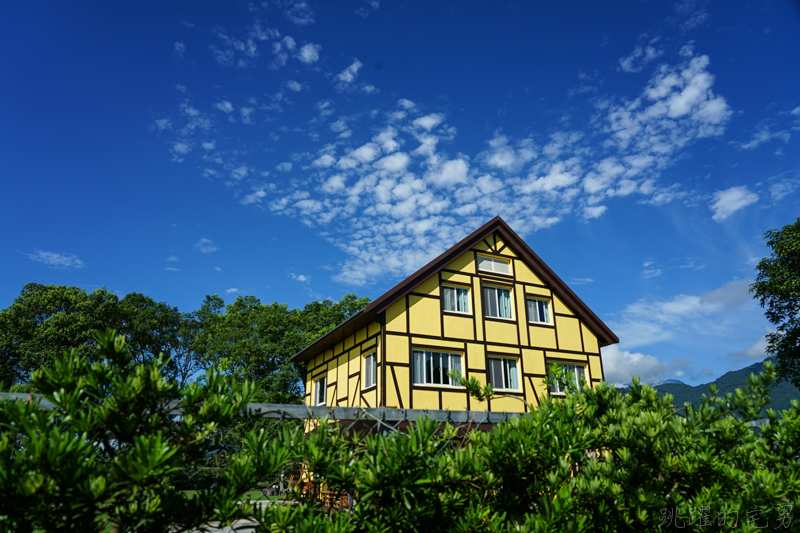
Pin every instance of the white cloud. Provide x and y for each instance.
(254, 198)
(206, 246)
(764, 135)
(649, 321)
(180, 49)
(363, 11)
(299, 13)
(349, 74)
(729, 201)
(295, 86)
(247, 114)
(395, 163)
(171, 269)
(309, 53)
(232, 290)
(172, 258)
(639, 58)
(324, 161)
(428, 122)
(755, 352)
(56, 260)
(621, 366)
(300, 277)
(450, 173)
(239, 172)
(209, 145)
(593, 211)
(181, 148)
(580, 281)
(218, 269)
(286, 166)
(224, 106)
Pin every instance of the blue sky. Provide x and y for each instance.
(301, 150)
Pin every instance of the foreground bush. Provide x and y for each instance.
(596, 460)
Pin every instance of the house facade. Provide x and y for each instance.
(488, 308)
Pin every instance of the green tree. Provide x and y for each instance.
(255, 341)
(103, 454)
(777, 287)
(47, 319)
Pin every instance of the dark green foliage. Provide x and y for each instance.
(594, 460)
(777, 288)
(102, 456)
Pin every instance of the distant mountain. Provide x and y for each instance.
(782, 393)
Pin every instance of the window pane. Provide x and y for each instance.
(533, 311)
(445, 359)
(437, 369)
(580, 373)
(504, 303)
(428, 368)
(449, 299)
(496, 373)
(455, 364)
(511, 372)
(463, 300)
(484, 263)
(490, 301)
(545, 311)
(419, 367)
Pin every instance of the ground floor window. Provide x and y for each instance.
(572, 372)
(431, 368)
(503, 373)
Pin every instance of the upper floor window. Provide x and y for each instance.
(370, 371)
(494, 264)
(497, 302)
(320, 390)
(503, 373)
(572, 372)
(538, 310)
(456, 299)
(431, 368)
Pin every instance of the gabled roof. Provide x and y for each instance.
(496, 225)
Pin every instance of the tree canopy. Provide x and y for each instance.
(246, 339)
(777, 287)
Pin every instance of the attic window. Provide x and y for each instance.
(494, 264)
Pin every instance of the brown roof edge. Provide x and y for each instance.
(606, 336)
(337, 334)
(604, 333)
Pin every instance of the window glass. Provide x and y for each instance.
(431, 368)
(538, 310)
(503, 373)
(320, 387)
(370, 371)
(497, 302)
(456, 299)
(493, 264)
(572, 372)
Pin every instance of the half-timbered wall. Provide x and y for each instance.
(418, 321)
(343, 365)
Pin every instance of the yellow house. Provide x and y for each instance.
(488, 308)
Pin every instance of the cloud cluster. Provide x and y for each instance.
(621, 366)
(205, 246)
(729, 201)
(56, 260)
(647, 321)
(396, 197)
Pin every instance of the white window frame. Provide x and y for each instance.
(486, 308)
(423, 371)
(546, 303)
(506, 369)
(321, 386)
(569, 369)
(456, 289)
(492, 263)
(370, 370)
